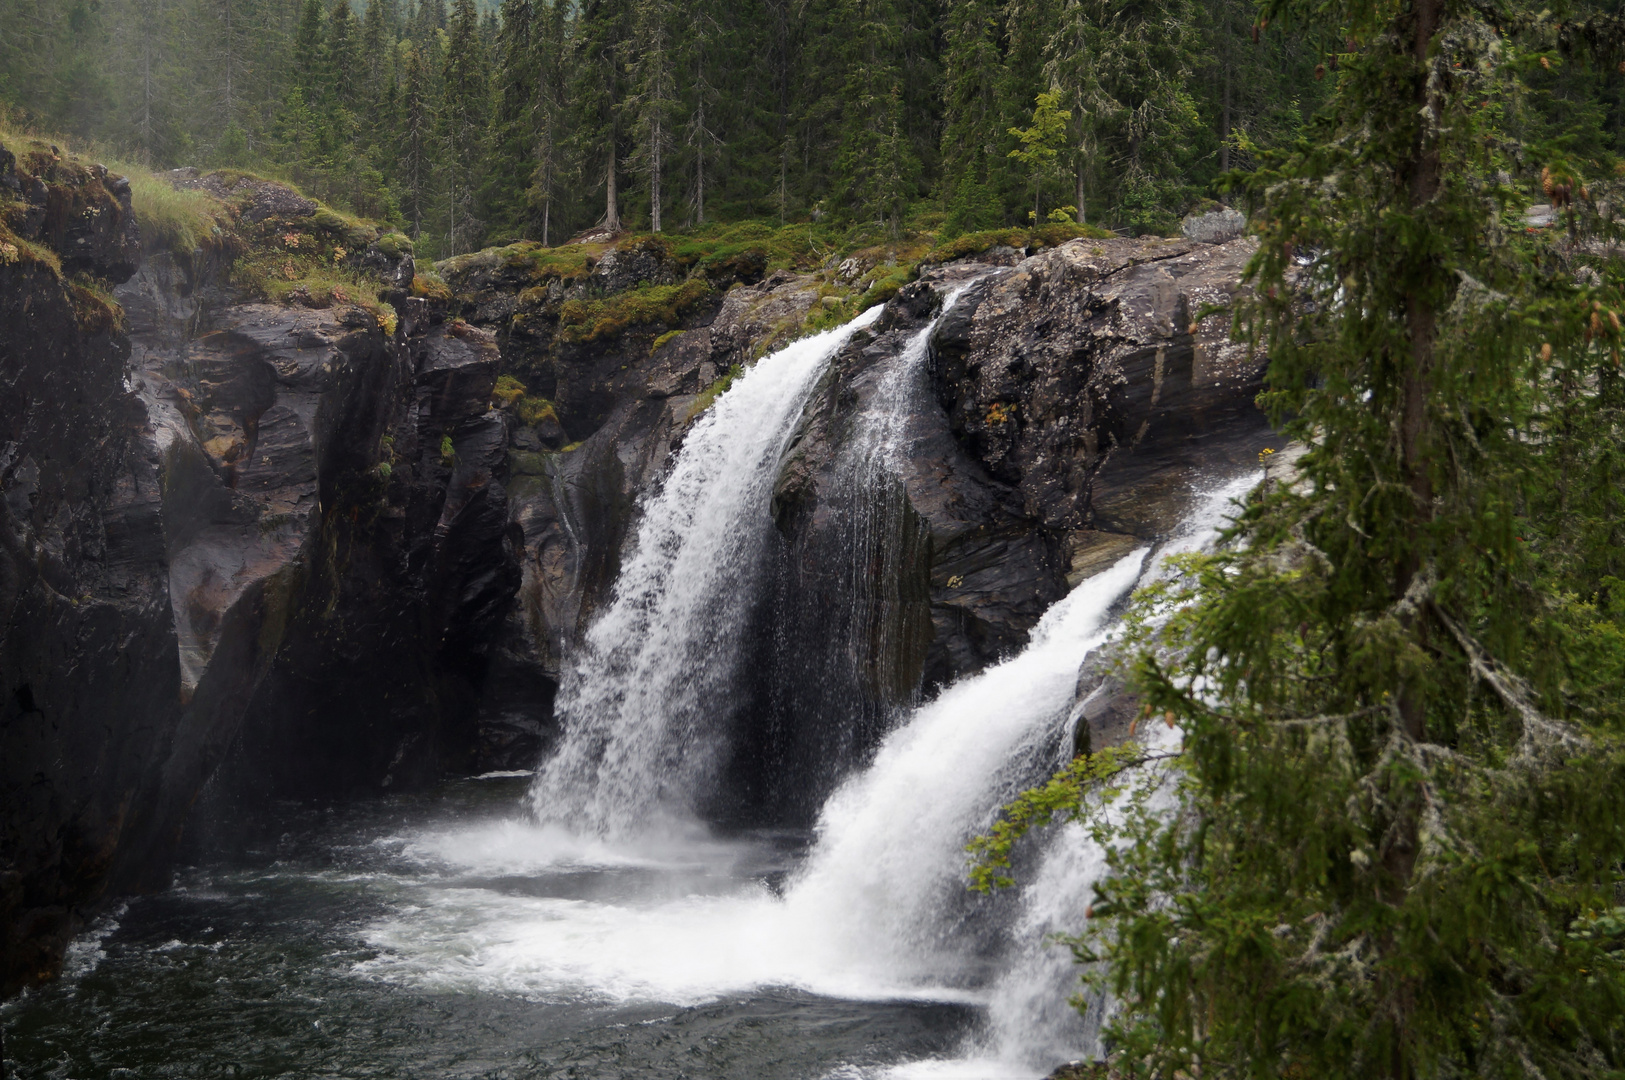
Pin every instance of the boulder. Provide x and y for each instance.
(1215, 226)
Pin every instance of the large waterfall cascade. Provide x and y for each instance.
(640, 700)
(878, 909)
(879, 905)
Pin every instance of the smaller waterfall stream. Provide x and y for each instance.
(640, 702)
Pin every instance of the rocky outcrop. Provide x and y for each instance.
(87, 651)
(1064, 413)
(246, 549)
(323, 547)
(629, 403)
(1067, 411)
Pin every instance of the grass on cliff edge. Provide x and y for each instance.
(172, 220)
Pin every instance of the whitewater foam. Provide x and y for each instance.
(640, 704)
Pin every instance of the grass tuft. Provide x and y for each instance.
(178, 221)
(707, 397)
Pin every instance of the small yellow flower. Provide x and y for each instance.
(1264, 456)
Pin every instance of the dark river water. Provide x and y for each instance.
(439, 936)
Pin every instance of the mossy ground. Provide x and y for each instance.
(590, 320)
(73, 182)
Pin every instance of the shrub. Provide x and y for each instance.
(533, 410)
(431, 286)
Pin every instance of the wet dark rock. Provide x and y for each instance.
(88, 676)
(247, 551)
(1067, 414)
(81, 212)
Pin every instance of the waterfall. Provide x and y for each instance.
(1029, 1018)
(884, 886)
(639, 702)
(876, 516)
(878, 909)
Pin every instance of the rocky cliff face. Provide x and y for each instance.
(317, 547)
(256, 547)
(1065, 411)
(86, 644)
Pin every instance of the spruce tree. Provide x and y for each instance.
(877, 165)
(550, 50)
(415, 151)
(699, 135)
(597, 94)
(653, 99)
(513, 125)
(344, 57)
(973, 138)
(1396, 844)
(465, 93)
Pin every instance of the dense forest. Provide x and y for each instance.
(470, 126)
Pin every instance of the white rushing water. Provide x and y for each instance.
(587, 903)
(877, 911)
(640, 700)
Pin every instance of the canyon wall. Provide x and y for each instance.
(316, 548)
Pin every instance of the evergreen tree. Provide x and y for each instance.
(344, 58)
(877, 163)
(1395, 850)
(309, 51)
(513, 125)
(1127, 69)
(597, 91)
(549, 117)
(699, 135)
(973, 136)
(415, 152)
(463, 114)
(653, 100)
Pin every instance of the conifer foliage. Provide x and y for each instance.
(479, 121)
(471, 122)
(1393, 843)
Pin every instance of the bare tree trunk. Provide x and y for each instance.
(699, 171)
(547, 212)
(612, 210)
(1224, 112)
(1402, 842)
(654, 175)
